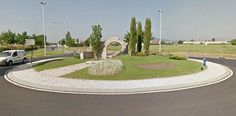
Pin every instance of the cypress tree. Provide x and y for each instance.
(140, 37)
(147, 35)
(133, 37)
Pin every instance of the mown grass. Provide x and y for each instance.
(215, 49)
(114, 47)
(211, 49)
(131, 71)
(40, 53)
(57, 63)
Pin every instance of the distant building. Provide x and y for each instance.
(205, 42)
(154, 42)
(157, 42)
(216, 42)
(193, 42)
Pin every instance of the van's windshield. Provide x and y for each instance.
(5, 54)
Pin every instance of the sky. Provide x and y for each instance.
(181, 19)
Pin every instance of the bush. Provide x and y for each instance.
(76, 54)
(177, 57)
(105, 68)
(18, 47)
(233, 42)
(140, 54)
(30, 48)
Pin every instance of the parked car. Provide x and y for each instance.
(11, 57)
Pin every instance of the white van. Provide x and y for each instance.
(11, 57)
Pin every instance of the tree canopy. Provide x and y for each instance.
(140, 37)
(95, 40)
(133, 37)
(147, 35)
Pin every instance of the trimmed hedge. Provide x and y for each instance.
(140, 54)
(233, 42)
(18, 47)
(177, 57)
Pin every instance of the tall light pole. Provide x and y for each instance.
(43, 3)
(160, 11)
(67, 30)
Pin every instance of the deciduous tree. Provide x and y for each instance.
(20, 38)
(69, 40)
(7, 37)
(233, 42)
(95, 40)
(39, 41)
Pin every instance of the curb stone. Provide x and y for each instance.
(12, 79)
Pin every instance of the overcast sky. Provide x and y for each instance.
(182, 19)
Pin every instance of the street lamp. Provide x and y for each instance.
(43, 3)
(160, 11)
(67, 30)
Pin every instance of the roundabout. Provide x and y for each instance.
(215, 100)
(31, 79)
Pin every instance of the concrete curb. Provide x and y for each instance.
(10, 77)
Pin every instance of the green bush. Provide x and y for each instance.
(177, 57)
(30, 48)
(140, 54)
(233, 42)
(18, 47)
(76, 54)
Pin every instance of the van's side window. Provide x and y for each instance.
(15, 54)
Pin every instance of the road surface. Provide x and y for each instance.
(213, 100)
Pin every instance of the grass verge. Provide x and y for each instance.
(215, 49)
(57, 63)
(131, 70)
(40, 53)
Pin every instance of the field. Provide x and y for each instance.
(220, 49)
(198, 50)
(40, 52)
(114, 48)
(132, 70)
(228, 51)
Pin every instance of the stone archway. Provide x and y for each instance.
(111, 40)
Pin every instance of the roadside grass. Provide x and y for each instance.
(57, 63)
(114, 48)
(132, 72)
(40, 53)
(86, 48)
(212, 49)
(183, 49)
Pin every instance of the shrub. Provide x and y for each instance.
(76, 54)
(18, 47)
(177, 57)
(233, 42)
(105, 68)
(140, 54)
(30, 48)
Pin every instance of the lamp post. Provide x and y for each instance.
(67, 30)
(160, 11)
(43, 3)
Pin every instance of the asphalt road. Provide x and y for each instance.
(214, 100)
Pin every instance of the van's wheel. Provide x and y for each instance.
(24, 60)
(10, 63)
